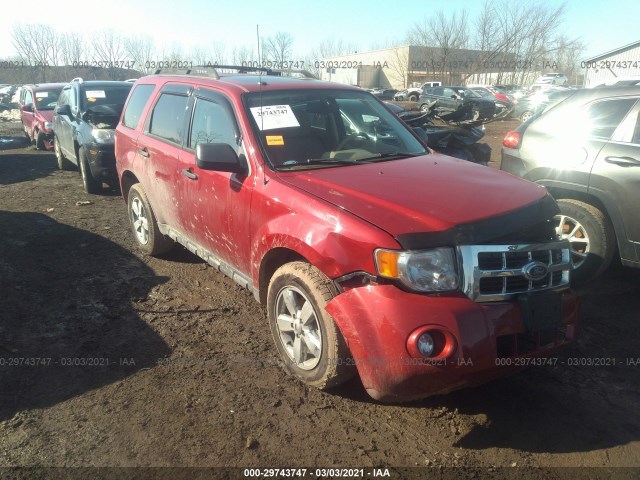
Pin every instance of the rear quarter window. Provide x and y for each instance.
(605, 116)
(137, 101)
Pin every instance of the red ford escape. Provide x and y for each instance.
(371, 253)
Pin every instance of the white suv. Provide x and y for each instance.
(552, 79)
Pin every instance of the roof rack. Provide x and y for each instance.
(213, 71)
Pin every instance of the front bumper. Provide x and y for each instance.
(102, 162)
(377, 320)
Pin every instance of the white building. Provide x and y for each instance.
(619, 64)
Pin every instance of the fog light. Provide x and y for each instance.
(425, 344)
(431, 342)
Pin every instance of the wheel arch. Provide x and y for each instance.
(602, 202)
(271, 261)
(127, 180)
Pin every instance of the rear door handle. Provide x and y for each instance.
(144, 152)
(189, 174)
(623, 161)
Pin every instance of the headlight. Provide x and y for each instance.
(424, 271)
(48, 125)
(101, 135)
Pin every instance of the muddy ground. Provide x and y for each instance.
(179, 368)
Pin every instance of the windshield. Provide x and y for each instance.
(106, 95)
(320, 128)
(466, 92)
(47, 99)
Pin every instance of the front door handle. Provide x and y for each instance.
(623, 161)
(189, 174)
(144, 152)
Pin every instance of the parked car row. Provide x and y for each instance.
(372, 254)
(76, 120)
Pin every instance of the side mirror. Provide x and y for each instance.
(219, 157)
(63, 110)
(27, 108)
(421, 134)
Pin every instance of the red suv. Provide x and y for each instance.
(36, 103)
(370, 252)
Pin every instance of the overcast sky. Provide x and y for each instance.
(602, 25)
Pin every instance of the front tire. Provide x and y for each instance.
(591, 235)
(63, 162)
(40, 141)
(90, 184)
(308, 340)
(413, 97)
(144, 225)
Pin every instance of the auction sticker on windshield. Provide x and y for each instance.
(274, 116)
(95, 94)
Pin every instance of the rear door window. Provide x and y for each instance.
(167, 118)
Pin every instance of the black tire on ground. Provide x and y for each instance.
(413, 97)
(144, 225)
(40, 140)
(63, 162)
(424, 107)
(593, 241)
(90, 184)
(296, 300)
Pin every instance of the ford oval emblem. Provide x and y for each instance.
(535, 271)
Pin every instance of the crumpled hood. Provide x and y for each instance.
(429, 194)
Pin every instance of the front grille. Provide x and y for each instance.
(499, 272)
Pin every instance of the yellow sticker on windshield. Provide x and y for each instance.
(275, 140)
(91, 99)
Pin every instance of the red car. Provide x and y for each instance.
(36, 103)
(371, 253)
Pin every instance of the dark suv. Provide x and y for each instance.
(586, 150)
(368, 250)
(83, 125)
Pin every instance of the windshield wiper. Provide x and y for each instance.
(295, 164)
(388, 155)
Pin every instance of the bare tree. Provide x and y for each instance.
(109, 51)
(444, 34)
(325, 49)
(279, 48)
(37, 45)
(243, 56)
(140, 50)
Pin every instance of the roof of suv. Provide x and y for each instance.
(255, 83)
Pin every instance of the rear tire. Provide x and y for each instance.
(593, 241)
(91, 185)
(144, 225)
(413, 97)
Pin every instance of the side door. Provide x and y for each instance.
(159, 148)
(616, 171)
(27, 116)
(62, 124)
(216, 205)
